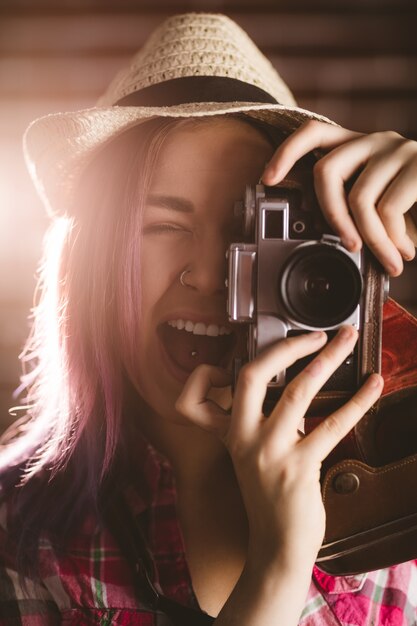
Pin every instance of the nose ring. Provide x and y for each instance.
(183, 283)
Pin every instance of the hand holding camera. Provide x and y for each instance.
(380, 208)
(290, 275)
(277, 468)
(294, 271)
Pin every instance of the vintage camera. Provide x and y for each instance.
(291, 274)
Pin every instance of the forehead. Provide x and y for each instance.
(224, 148)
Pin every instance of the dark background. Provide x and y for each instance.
(354, 61)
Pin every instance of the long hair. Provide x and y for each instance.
(81, 354)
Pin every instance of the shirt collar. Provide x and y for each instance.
(148, 466)
(338, 584)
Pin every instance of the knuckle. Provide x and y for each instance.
(358, 198)
(358, 404)
(387, 136)
(294, 393)
(386, 208)
(323, 168)
(408, 147)
(412, 146)
(332, 426)
(201, 372)
(181, 405)
(398, 143)
(390, 135)
(247, 376)
(313, 125)
(410, 143)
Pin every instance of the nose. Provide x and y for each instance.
(208, 266)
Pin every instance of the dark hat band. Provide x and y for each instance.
(188, 89)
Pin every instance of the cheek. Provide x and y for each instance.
(154, 282)
(161, 265)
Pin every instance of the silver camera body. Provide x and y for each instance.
(289, 277)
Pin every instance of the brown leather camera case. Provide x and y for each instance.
(369, 482)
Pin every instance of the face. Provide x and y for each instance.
(188, 224)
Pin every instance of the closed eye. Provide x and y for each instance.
(163, 228)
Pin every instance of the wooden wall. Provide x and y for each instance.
(352, 60)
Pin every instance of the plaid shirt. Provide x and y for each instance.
(92, 584)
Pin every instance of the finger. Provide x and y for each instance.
(331, 173)
(308, 137)
(367, 197)
(254, 377)
(299, 393)
(321, 441)
(411, 227)
(329, 185)
(397, 200)
(194, 405)
(375, 234)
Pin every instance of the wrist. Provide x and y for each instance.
(279, 568)
(267, 593)
(297, 563)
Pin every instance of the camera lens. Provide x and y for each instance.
(320, 285)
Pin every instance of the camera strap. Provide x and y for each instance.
(371, 339)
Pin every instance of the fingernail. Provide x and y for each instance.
(273, 175)
(375, 381)
(317, 334)
(394, 270)
(408, 257)
(350, 244)
(268, 179)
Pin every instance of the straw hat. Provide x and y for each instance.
(192, 65)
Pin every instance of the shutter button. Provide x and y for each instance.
(346, 482)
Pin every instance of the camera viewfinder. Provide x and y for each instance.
(274, 224)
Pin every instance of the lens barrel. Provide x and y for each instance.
(320, 285)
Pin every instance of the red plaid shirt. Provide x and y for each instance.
(92, 584)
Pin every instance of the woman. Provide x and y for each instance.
(140, 492)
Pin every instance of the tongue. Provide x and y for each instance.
(188, 350)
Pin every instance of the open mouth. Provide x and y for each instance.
(188, 344)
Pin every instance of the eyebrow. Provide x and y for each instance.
(173, 203)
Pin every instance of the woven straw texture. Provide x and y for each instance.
(58, 146)
(198, 44)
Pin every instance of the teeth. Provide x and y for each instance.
(214, 331)
(199, 328)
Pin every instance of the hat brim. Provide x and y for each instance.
(58, 146)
